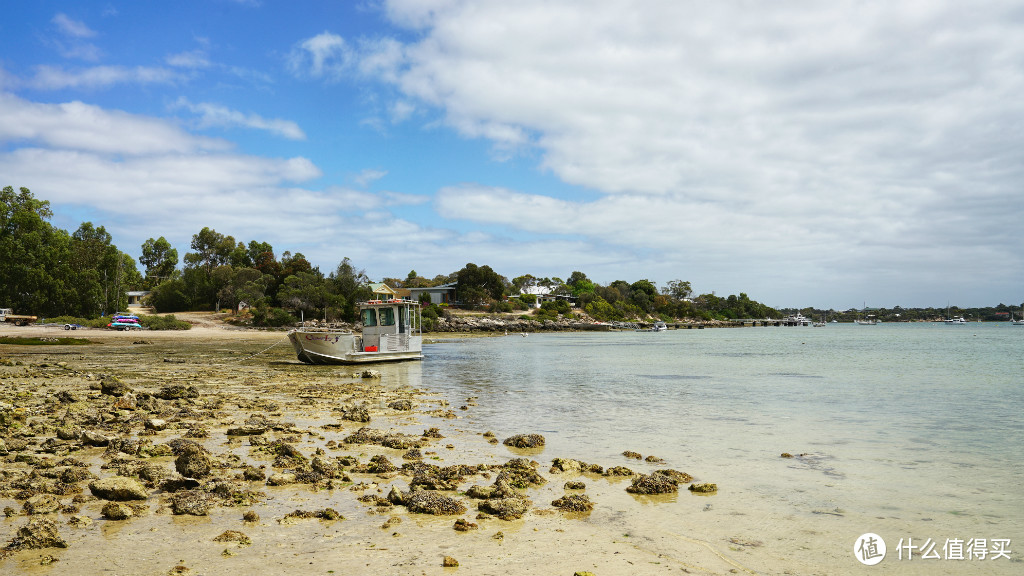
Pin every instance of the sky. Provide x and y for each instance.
(828, 154)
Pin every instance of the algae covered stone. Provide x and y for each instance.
(427, 502)
(574, 503)
(38, 533)
(118, 488)
(524, 441)
(653, 484)
(704, 488)
(117, 511)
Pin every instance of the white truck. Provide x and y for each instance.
(8, 315)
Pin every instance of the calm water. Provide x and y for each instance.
(909, 430)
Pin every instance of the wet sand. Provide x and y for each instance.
(242, 374)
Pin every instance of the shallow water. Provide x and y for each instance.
(906, 431)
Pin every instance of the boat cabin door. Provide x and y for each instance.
(403, 319)
(378, 322)
(371, 329)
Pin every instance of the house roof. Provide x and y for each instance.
(441, 288)
(381, 288)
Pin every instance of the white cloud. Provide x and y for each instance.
(71, 27)
(401, 111)
(173, 184)
(80, 126)
(681, 95)
(367, 177)
(325, 55)
(192, 59)
(216, 115)
(55, 78)
(850, 134)
(72, 41)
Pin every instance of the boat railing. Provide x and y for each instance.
(396, 343)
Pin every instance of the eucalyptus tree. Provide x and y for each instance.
(30, 249)
(352, 284)
(310, 293)
(677, 289)
(160, 260)
(239, 285)
(478, 283)
(211, 249)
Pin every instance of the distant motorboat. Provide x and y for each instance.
(658, 326)
(1017, 322)
(797, 319)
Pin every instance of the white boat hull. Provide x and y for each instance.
(318, 347)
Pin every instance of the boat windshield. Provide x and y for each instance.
(387, 316)
(369, 317)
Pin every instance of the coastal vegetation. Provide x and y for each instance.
(81, 276)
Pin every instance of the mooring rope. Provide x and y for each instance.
(261, 351)
(708, 545)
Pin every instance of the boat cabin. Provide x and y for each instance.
(388, 325)
(392, 330)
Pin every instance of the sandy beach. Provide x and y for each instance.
(292, 425)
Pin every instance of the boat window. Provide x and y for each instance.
(387, 316)
(369, 317)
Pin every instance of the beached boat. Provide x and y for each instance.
(392, 331)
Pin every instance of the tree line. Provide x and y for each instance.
(998, 313)
(481, 287)
(45, 270)
(49, 272)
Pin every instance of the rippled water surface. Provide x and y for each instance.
(905, 430)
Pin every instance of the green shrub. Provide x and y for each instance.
(557, 306)
(87, 322)
(498, 307)
(542, 315)
(168, 322)
(22, 341)
(272, 317)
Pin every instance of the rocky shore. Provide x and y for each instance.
(185, 455)
(470, 323)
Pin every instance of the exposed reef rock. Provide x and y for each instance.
(653, 484)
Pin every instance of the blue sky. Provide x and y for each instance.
(808, 154)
